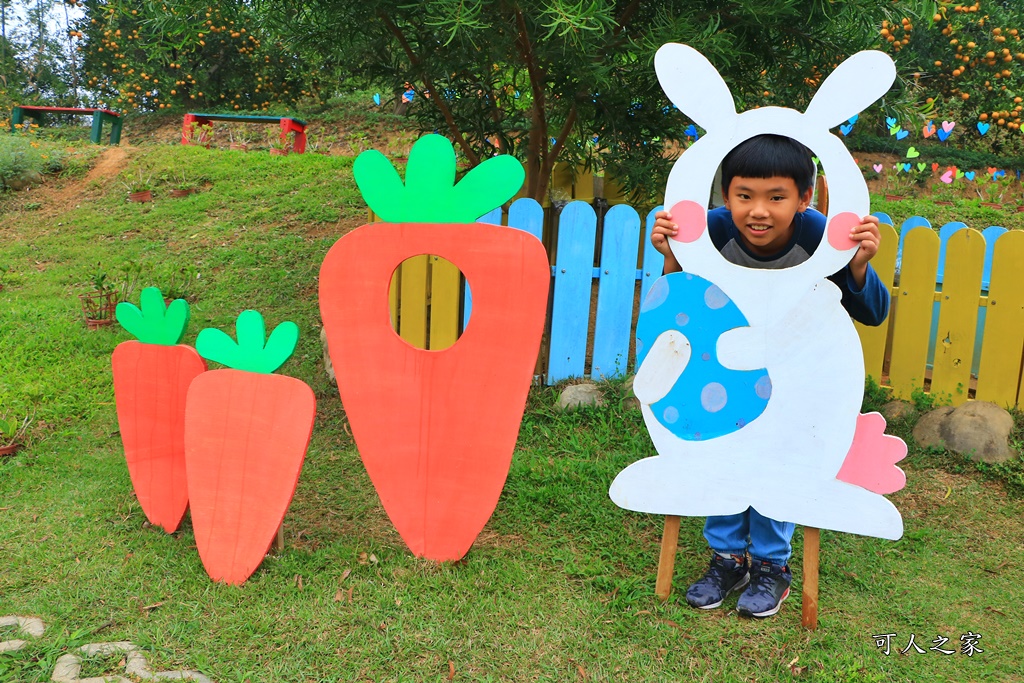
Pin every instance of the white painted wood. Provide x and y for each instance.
(784, 462)
(661, 369)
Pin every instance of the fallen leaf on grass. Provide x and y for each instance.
(147, 608)
(344, 575)
(298, 581)
(451, 670)
(339, 595)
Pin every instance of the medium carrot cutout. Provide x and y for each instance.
(436, 429)
(246, 435)
(151, 380)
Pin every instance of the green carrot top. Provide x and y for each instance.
(253, 351)
(154, 322)
(430, 193)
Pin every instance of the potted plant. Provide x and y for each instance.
(182, 186)
(177, 282)
(139, 187)
(200, 134)
(98, 305)
(12, 433)
(239, 139)
(279, 144)
(991, 194)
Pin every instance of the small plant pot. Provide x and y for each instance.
(1020, 209)
(239, 147)
(942, 202)
(894, 197)
(278, 152)
(181, 193)
(144, 196)
(991, 205)
(98, 309)
(11, 449)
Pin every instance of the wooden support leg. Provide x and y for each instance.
(279, 540)
(810, 596)
(667, 560)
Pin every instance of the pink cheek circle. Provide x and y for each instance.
(839, 230)
(691, 219)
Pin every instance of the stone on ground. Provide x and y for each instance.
(978, 428)
(579, 395)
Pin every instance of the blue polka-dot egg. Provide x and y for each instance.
(708, 400)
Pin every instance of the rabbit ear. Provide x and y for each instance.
(852, 88)
(694, 85)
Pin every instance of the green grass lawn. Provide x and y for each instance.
(559, 586)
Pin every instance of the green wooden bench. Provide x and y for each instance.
(288, 125)
(99, 117)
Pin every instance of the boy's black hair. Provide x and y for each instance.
(769, 156)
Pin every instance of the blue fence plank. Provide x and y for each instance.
(883, 217)
(991, 234)
(527, 214)
(620, 244)
(945, 232)
(654, 262)
(908, 225)
(570, 309)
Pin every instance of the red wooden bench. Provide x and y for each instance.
(288, 125)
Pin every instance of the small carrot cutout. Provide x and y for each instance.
(151, 380)
(246, 435)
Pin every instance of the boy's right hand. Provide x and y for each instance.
(663, 229)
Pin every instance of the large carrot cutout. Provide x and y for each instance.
(436, 429)
(151, 380)
(246, 435)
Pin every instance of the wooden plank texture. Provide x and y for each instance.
(574, 273)
(445, 286)
(873, 339)
(654, 262)
(616, 292)
(412, 316)
(913, 311)
(958, 315)
(999, 375)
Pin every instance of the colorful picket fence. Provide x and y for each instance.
(958, 300)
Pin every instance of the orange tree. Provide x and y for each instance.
(966, 61)
(541, 79)
(155, 55)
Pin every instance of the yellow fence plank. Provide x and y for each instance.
(873, 339)
(958, 316)
(999, 375)
(913, 311)
(444, 303)
(412, 319)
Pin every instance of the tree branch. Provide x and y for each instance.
(437, 98)
(536, 155)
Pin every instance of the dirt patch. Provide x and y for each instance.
(61, 199)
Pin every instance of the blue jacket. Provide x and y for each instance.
(868, 305)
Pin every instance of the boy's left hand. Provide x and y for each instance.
(868, 236)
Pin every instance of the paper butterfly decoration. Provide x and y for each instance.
(775, 423)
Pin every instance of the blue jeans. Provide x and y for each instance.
(766, 538)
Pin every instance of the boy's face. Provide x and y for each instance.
(763, 210)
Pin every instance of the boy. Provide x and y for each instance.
(767, 183)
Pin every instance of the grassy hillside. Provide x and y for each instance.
(559, 587)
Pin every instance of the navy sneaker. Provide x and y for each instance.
(725, 575)
(769, 586)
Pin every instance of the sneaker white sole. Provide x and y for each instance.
(767, 613)
(739, 586)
